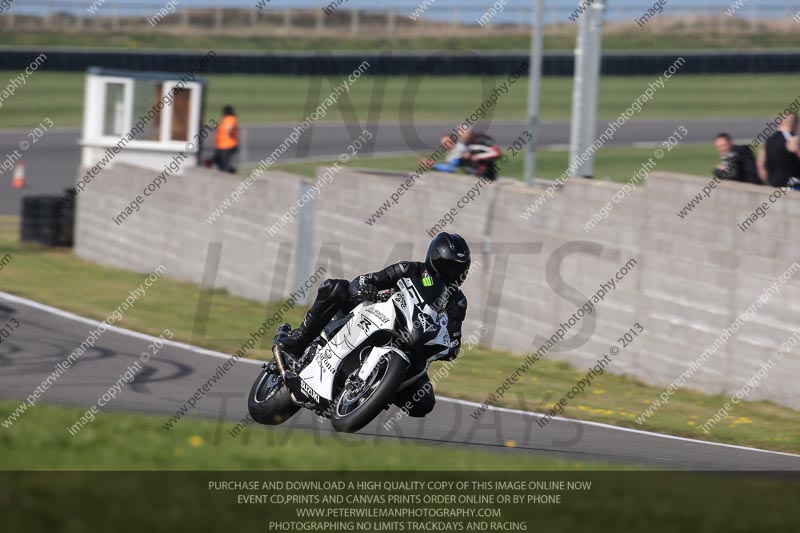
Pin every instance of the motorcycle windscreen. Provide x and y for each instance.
(424, 316)
(429, 290)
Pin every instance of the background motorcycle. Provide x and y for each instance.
(482, 157)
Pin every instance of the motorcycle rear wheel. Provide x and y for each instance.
(269, 401)
(490, 173)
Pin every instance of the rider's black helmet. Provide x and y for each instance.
(448, 257)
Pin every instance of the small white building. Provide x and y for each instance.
(142, 118)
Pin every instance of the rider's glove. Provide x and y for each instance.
(363, 291)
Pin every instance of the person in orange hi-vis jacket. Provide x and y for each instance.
(227, 140)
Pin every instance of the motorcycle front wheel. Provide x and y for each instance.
(360, 402)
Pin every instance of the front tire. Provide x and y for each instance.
(354, 408)
(269, 401)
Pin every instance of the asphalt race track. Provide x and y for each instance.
(46, 336)
(52, 163)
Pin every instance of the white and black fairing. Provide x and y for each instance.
(410, 321)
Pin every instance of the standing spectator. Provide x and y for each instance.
(777, 163)
(738, 163)
(227, 140)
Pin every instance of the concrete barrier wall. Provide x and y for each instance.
(692, 278)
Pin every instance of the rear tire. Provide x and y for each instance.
(490, 173)
(269, 401)
(352, 410)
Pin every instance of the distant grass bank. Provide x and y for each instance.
(671, 38)
(265, 99)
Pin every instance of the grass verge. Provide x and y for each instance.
(611, 163)
(94, 291)
(125, 441)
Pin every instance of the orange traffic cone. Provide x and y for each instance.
(19, 176)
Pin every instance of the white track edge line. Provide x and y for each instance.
(117, 329)
(220, 355)
(620, 428)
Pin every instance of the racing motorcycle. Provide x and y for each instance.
(480, 159)
(353, 369)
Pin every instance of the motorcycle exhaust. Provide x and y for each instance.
(290, 378)
(283, 330)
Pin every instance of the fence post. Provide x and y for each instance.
(305, 236)
(218, 19)
(115, 19)
(320, 21)
(48, 16)
(244, 155)
(287, 20)
(354, 22)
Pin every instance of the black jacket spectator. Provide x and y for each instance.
(781, 163)
(740, 166)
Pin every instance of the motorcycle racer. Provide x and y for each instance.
(475, 153)
(448, 259)
(458, 152)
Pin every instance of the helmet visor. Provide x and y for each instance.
(454, 271)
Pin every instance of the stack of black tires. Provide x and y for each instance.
(48, 220)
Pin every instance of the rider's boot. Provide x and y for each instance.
(298, 339)
(332, 294)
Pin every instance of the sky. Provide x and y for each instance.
(463, 10)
